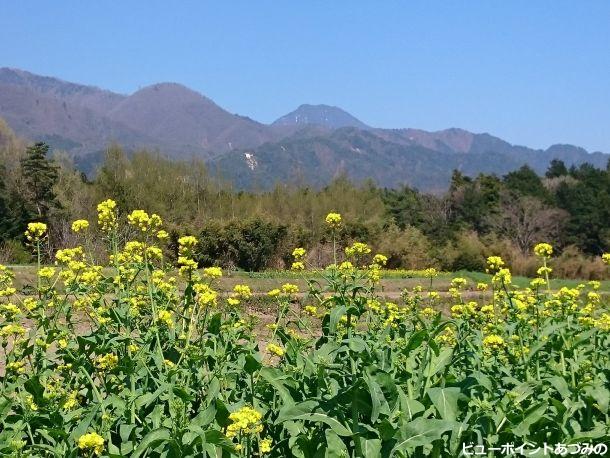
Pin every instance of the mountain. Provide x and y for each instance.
(385, 157)
(85, 119)
(311, 145)
(186, 122)
(321, 115)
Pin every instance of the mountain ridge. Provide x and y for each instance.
(314, 142)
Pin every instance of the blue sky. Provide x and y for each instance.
(532, 72)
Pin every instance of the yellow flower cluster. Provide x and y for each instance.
(91, 442)
(380, 259)
(493, 342)
(212, 272)
(242, 292)
(298, 253)
(543, 250)
(311, 310)
(107, 362)
(289, 288)
(80, 225)
(186, 245)
(165, 317)
(35, 232)
(502, 276)
(459, 282)
(12, 330)
(107, 215)
(494, 263)
(430, 273)
(245, 421)
(206, 296)
(16, 366)
(606, 258)
(275, 350)
(333, 220)
(275, 292)
(265, 445)
(357, 249)
(67, 255)
(143, 221)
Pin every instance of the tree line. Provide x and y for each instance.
(477, 217)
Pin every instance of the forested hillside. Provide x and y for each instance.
(479, 216)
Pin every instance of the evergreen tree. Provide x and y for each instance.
(40, 175)
(526, 182)
(557, 168)
(5, 217)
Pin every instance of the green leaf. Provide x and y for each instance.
(274, 378)
(335, 447)
(439, 362)
(445, 400)
(560, 384)
(371, 448)
(252, 364)
(152, 439)
(421, 431)
(532, 415)
(215, 324)
(303, 411)
(335, 315)
(601, 396)
(416, 340)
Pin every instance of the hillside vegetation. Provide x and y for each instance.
(478, 217)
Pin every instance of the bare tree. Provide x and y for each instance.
(527, 220)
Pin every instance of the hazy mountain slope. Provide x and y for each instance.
(93, 98)
(311, 145)
(321, 115)
(361, 155)
(66, 125)
(186, 121)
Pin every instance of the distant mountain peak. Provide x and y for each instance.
(322, 115)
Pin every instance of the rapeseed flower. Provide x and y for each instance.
(35, 232)
(245, 421)
(274, 292)
(166, 318)
(144, 222)
(289, 288)
(493, 342)
(494, 263)
(242, 292)
(212, 272)
(265, 445)
(380, 259)
(543, 250)
(333, 220)
(357, 249)
(275, 350)
(297, 266)
(107, 215)
(91, 442)
(80, 225)
(298, 253)
(107, 362)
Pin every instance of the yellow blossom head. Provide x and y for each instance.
(80, 225)
(543, 250)
(298, 253)
(333, 220)
(107, 215)
(275, 350)
(35, 232)
(91, 442)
